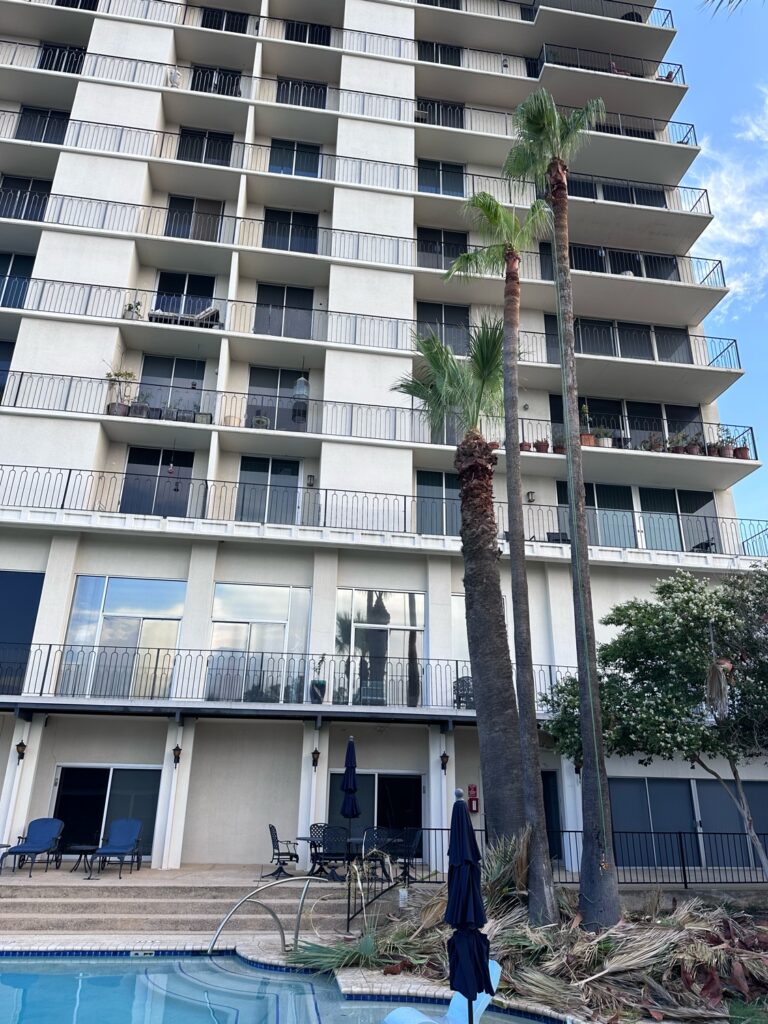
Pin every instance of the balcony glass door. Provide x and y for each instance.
(184, 294)
(172, 387)
(272, 399)
(24, 198)
(15, 274)
(157, 482)
(287, 156)
(437, 503)
(283, 311)
(41, 124)
(661, 524)
(90, 798)
(268, 490)
(140, 659)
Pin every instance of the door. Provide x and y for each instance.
(133, 794)
(631, 823)
(399, 801)
(552, 812)
(366, 801)
(674, 823)
(81, 794)
(725, 842)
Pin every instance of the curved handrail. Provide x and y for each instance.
(308, 879)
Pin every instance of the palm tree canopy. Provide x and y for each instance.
(542, 134)
(502, 232)
(467, 389)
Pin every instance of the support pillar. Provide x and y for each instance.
(178, 793)
(308, 788)
(21, 795)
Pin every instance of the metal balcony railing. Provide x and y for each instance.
(659, 17)
(179, 497)
(366, 678)
(610, 63)
(651, 434)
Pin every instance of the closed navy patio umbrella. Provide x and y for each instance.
(349, 806)
(468, 948)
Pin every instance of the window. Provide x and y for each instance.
(19, 599)
(449, 115)
(437, 503)
(673, 345)
(222, 81)
(449, 323)
(268, 490)
(157, 482)
(289, 229)
(594, 337)
(6, 356)
(224, 21)
(439, 53)
(581, 188)
(635, 341)
(610, 514)
(677, 520)
(289, 157)
(24, 198)
(301, 93)
(55, 57)
(82, 5)
(284, 311)
(272, 398)
(205, 147)
(187, 294)
(437, 249)
(308, 32)
(639, 195)
(15, 274)
(441, 178)
(171, 387)
(190, 217)
(685, 419)
(259, 636)
(122, 636)
(622, 262)
(453, 5)
(382, 633)
(40, 124)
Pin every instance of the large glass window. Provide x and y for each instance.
(122, 635)
(437, 248)
(381, 633)
(6, 356)
(41, 124)
(610, 514)
(301, 93)
(287, 156)
(679, 520)
(290, 229)
(274, 401)
(437, 503)
(19, 599)
(259, 642)
(449, 323)
(183, 295)
(268, 490)
(191, 217)
(157, 482)
(58, 57)
(205, 147)
(224, 21)
(15, 274)
(308, 32)
(449, 115)
(284, 311)
(171, 387)
(441, 178)
(222, 81)
(24, 198)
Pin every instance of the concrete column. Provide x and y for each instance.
(178, 795)
(58, 587)
(319, 810)
(308, 789)
(322, 620)
(11, 779)
(26, 770)
(195, 632)
(571, 814)
(174, 735)
(440, 786)
(438, 682)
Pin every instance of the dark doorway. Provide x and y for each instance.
(80, 800)
(399, 803)
(552, 812)
(19, 599)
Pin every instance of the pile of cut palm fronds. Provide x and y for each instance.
(683, 965)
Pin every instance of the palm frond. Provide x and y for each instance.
(478, 263)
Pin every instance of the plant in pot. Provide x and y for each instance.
(713, 448)
(603, 437)
(586, 436)
(317, 686)
(119, 389)
(558, 441)
(525, 446)
(132, 310)
(741, 451)
(726, 444)
(541, 446)
(677, 442)
(694, 444)
(654, 443)
(140, 405)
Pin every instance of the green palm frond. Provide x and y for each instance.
(542, 133)
(501, 231)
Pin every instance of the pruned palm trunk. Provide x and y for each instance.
(542, 904)
(599, 893)
(496, 708)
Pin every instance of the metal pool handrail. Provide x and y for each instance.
(308, 879)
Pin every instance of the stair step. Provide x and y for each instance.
(152, 923)
(74, 907)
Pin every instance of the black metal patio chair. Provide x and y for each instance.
(283, 852)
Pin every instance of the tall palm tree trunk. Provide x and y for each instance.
(542, 904)
(599, 892)
(496, 708)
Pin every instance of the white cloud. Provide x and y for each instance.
(737, 182)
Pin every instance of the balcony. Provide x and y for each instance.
(47, 496)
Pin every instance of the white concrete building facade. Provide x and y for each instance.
(221, 531)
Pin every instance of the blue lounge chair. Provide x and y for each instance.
(121, 842)
(42, 837)
(457, 1010)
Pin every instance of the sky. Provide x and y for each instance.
(724, 60)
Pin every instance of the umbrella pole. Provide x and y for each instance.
(470, 1012)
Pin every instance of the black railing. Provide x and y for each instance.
(610, 63)
(594, 259)
(367, 678)
(659, 17)
(653, 434)
(173, 495)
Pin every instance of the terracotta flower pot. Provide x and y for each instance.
(558, 449)
(693, 449)
(677, 449)
(588, 440)
(725, 451)
(541, 446)
(713, 449)
(741, 452)
(525, 446)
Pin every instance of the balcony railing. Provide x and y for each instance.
(659, 17)
(251, 410)
(367, 678)
(178, 497)
(610, 63)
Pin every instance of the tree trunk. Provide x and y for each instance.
(599, 891)
(493, 685)
(542, 904)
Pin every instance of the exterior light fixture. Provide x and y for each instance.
(176, 756)
(530, 497)
(21, 749)
(310, 479)
(315, 759)
(444, 759)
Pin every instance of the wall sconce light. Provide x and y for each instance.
(315, 759)
(176, 756)
(21, 749)
(310, 479)
(505, 64)
(530, 497)
(444, 759)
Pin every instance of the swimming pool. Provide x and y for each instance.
(174, 990)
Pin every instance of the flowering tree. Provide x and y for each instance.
(685, 676)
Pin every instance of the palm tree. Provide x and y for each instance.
(466, 392)
(506, 238)
(545, 140)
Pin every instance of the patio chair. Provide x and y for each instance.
(409, 851)
(332, 851)
(121, 842)
(381, 847)
(283, 852)
(42, 837)
(464, 693)
(457, 1008)
(315, 843)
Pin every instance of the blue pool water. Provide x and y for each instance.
(175, 990)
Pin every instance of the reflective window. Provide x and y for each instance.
(437, 503)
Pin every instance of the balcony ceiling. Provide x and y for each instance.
(300, 60)
(645, 97)
(220, 113)
(281, 121)
(193, 179)
(207, 46)
(333, 10)
(41, 21)
(287, 192)
(18, 157)
(36, 88)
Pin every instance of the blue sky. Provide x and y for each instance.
(724, 58)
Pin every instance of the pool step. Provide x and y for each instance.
(87, 907)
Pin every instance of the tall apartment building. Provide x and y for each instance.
(225, 542)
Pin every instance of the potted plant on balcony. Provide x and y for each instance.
(603, 437)
(677, 442)
(132, 310)
(203, 417)
(525, 446)
(119, 386)
(741, 451)
(541, 446)
(186, 415)
(140, 406)
(713, 448)
(317, 686)
(653, 443)
(586, 436)
(694, 444)
(558, 441)
(726, 444)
